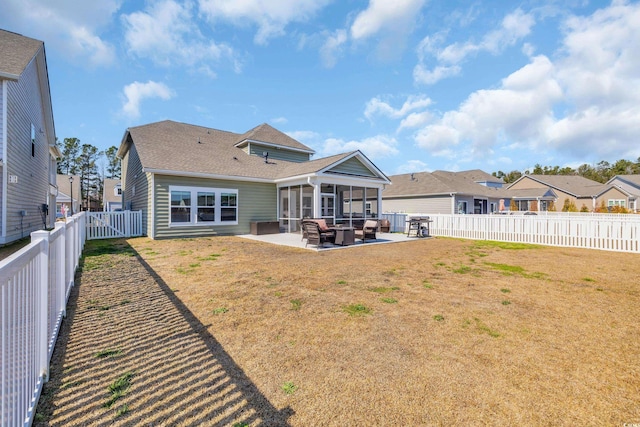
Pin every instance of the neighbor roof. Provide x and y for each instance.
(16, 52)
(181, 148)
(575, 185)
(478, 175)
(438, 183)
(629, 179)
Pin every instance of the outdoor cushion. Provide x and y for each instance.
(322, 224)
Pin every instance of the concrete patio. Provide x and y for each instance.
(295, 240)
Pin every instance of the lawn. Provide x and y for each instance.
(430, 332)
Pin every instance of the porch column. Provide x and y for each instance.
(317, 198)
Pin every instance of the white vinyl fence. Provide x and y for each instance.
(110, 225)
(35, 283)
(603, 231)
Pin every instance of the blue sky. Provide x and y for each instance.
(416, 85)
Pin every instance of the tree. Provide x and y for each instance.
(113, 162)
(569, 206)
(70, 149)
(513, 206)
(90, 181)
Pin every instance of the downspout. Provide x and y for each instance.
(453, 203)
(5, 172)
(316, 198)
(153, 206)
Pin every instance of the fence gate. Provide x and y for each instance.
(110, 225)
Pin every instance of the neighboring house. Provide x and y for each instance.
(191, 180)
(28, 153)
(577, 189)
(63, 201)
(112, 195)
(441, 192)
(629, 186)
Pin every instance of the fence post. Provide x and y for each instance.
(43, 301)
(61, 265)
(127, 224)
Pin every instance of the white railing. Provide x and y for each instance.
(605, 232)
(110, 225)
(35, 283)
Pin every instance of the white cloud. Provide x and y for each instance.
(376, 106)
(167, 34)
(270, 16)
(72, 28)
(585, 103)
(374, 148)
(412, 166)
(279, 120)
(399, 15)
(415, 120)
(389, 22)
(332, 48)
(136, 92)
(514, 27)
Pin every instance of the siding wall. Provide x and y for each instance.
(2, 142)
(25, 107)
(256, 202)
(352, 166)
(612, 193)
(275, 154)
(133, 177)
(427, 205)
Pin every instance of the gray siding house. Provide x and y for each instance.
(441, 192)
(192, 180)
(28, 153)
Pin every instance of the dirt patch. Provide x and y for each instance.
(225, 331)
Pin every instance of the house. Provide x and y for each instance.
(629, 187)
(111, 195)
(441, 192)
(572, 188)
(192, 180)
(28, 151)
(68, 189)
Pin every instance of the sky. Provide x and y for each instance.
(416, 85)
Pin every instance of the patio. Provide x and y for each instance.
(295, 240)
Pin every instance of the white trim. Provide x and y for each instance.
(206, 175)
(5, 150)
(271, 144)
(194, 205)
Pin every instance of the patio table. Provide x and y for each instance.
(345, 236)
(420, 225)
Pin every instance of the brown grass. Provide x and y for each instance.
(224, 330)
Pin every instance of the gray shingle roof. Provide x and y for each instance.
(436, 183)
(478, 175)
(266, 133)
(16, 51)
(184, 148)
(631, 179)
(573, 184)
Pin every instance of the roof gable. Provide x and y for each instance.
(268, 135)
(632, 180)
(16, 52)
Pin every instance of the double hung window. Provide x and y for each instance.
(203, 206)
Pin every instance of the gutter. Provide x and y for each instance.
(5, 172)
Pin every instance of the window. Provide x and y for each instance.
(118, 190)
(462, 207)
(204, 206)
(33, 140)
(614, 202)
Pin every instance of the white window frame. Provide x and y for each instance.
(616, 202)
(194, 222)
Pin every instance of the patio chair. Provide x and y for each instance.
(368, 230)
(385, 226)
(314, 235)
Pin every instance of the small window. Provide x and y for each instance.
(462, 207)
(118, 191)
(33, 140)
